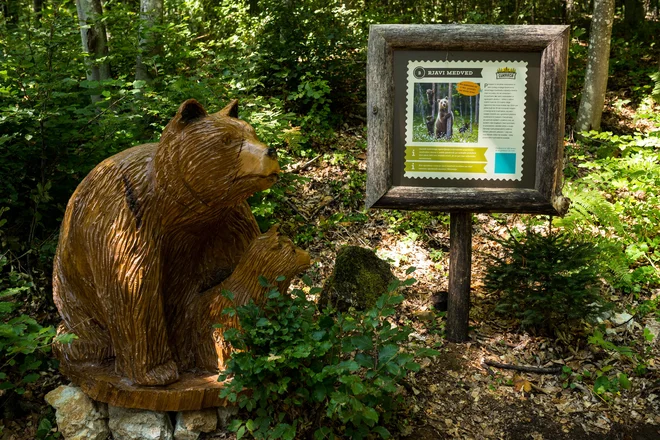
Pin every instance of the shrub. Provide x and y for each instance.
(301, 372)
(24, 343)
(547, 281)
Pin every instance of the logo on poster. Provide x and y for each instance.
(506, 73)
(419, 72)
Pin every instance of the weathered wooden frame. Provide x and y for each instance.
(545, 197)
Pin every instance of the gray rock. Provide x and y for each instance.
(77, 416)
(189, 424)
(225, 414)
(139, 424)
(358, 280)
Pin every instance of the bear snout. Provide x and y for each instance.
(258, 160)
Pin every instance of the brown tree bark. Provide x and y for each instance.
(460, 261)
(38, 6)
(634, 14)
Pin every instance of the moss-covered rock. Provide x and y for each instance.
(358, 279)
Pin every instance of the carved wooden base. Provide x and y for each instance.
(191, 392)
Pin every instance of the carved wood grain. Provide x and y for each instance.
(190, 392)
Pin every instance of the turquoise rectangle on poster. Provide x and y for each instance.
(505, 163)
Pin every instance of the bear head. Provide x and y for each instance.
(443, 104)
(272, 255)
(215, 159)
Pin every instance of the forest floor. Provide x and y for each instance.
(455, 395)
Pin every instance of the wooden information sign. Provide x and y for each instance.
(463, 119)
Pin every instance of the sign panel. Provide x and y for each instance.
(465, 119)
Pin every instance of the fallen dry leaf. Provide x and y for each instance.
(521, 384)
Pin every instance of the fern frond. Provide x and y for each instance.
(590, 207)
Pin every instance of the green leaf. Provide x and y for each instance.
(357, 388)
(351, 365)
(234, 425)
(273, 294)
(413, 366)
(410, 270)
(319, 393)
(289, 433)
(387, 352)
(323, 433)
(648, 335)
(393, 286)
(240, 433)
(370, 414)
(362, 342)
(427, 352)
(364, 360)
(317, 335)
(393, 368)
(409, 282)
(263, 281)
(624, 382)
(384, 433)
(13, 291)
(44, 426)
(30, 378)
(601, 385)
(7, 307)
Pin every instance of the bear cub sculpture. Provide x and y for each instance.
(154, 235)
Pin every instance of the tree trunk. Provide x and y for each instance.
(253, 7)
(634, 15)
(151, 14)
(38, 6)
(94, 40)
(10, 9)
(595, 78)
(569, 11)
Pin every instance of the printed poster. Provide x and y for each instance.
(465, 119)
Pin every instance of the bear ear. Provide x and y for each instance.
(230, 109)
(446, 97)
(190, 111)
(273, 229)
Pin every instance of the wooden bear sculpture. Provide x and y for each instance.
(151, 238)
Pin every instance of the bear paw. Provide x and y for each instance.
(163, 374)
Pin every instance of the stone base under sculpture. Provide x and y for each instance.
(80, 418)
(191, 392)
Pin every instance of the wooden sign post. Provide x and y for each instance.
(465, 119)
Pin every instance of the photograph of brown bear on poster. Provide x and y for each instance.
(442, 113)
